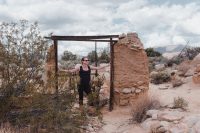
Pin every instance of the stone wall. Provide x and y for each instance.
(50, 70)
(131, 75)
(196, 64)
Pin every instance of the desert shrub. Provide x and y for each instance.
(152, 53)
(160, 77)
(156, 60)
(104, 56)
(24, 101)
(187, 54)
(140, 108)
(180, 102)
(8, 128)
(191, 52)
(175, 60)
(96, 84)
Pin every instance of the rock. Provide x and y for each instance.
(197, 68)
(160, 66)
(190, 72)
(197, 127)
(187, 79)
(133, 90)
(157, 128)
(191, 120)
(196, 78)
(152, 112)
(127, 90)
(154, 126)
(170, 116)
(154, 117)
(179, 128)
(176, 82)
(196, 60)
(165, 124)
(153, 73)
(137, 91)
(148, 123)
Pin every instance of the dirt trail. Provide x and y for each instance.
(118, 121)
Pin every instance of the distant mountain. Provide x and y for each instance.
(169, 48)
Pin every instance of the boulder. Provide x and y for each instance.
(197, 68)
(191, 120)
(197, 127)
(170, 116)
(160, 66)
(190, 72)
(196, 60)
(196, 78)
(179, 128)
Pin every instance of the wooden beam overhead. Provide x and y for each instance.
(83, 38)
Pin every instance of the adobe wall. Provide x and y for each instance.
(50, 70)
(131, 75)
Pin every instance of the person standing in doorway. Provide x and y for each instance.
(84, 73)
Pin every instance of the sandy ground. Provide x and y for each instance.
(189, 91)
(118, 121)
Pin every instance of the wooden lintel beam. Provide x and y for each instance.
(82, 37)
(89, 40)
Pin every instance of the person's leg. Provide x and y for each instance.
(80, 92)
(87, 89)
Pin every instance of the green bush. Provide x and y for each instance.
(23, 96)
(160, 77)
(152, 53)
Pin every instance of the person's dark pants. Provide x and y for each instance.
(83, 88)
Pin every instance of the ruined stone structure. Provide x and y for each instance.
(50, 70)
(196, 64)
(131, 75)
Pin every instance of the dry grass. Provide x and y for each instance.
(143, 104)
(180, 102)
(7, 128)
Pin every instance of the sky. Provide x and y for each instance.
(157, 22)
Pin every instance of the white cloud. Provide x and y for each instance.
(178, 40)
(166, 23)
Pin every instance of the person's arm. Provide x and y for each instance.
(98, 68)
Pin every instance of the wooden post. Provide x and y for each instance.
(96, 58)
(56, 64)
(111, 75)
